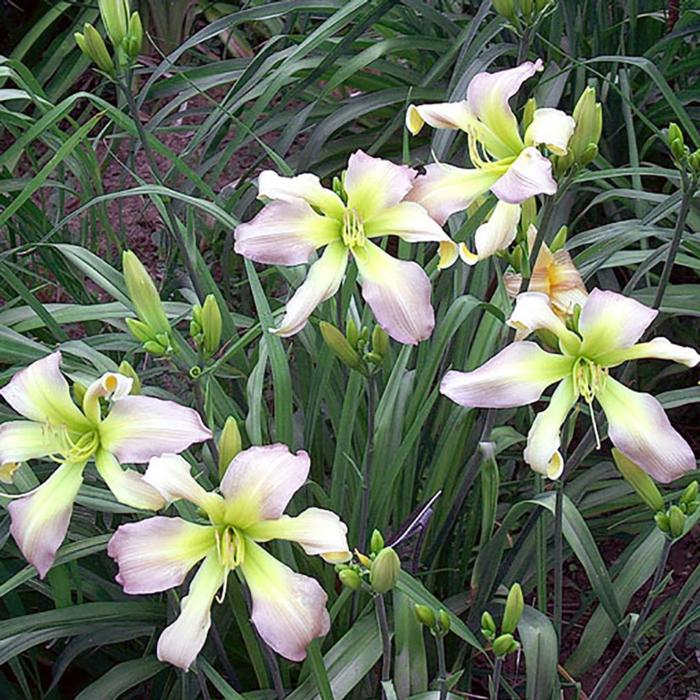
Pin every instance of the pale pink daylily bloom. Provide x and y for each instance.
(289, 609)
(504, 161)
(609, 329)
(303, 216)
(135, 429)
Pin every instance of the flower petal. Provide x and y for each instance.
(407, 220)
(260, 482)
(289, 610)
(494, 235)
(40, 392)
(639, 427)
(21, 440)
(322, 282)
(658, 349)
(488, 95)
(553, 128)
(445, 189)
(317, 531)
(398, 292)
(155, 554)
(516, 376)
(140, 427)
(543, 440)
(170, 476)
(306, 187)
(528, 175)
(533, 312)
(127, 485)
(611, 321)
(441, 115)
(181, 641)
(285, 233)
(373, 184)
(40, 521)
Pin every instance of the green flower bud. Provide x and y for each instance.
(134, 37)
(505, 644)
(337, 342)
(559, 240)
(425, 615)
(678, 150)
(115, 16)
(128, 371)
(384, 571)
(588, 115)
(443, 621)
(694, 160)
(82, 44)
(374, 358)
(164, 340)
(526, 7)
(505, 8)
(514, 609)
(541, 5)
(516, 259)
(154, 348)
(139, 330)
(676, 521)
(639, 480)
(662, 522)
(376, 542)
(689, 493)
(674, 133)
(488, 625)
(528, 113)
(79, 392)
(229, 445)
(97, 50)
(380, 341)
(211, 325)
(352, 333)
(350, 579)
(692, 507)
(143, 294)
(363, 559)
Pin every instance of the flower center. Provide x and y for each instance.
(74, 450)
(231, 547)
(589, 378)
(353, 229)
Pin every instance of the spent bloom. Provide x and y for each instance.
(608, 330)
(508, 164)
(288, 609)
(303, 216)
(135, 429)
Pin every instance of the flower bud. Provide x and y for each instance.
(144, 295)
(363, 559)
(505, 8)
(528, 113)
(559, 240)
(115, 16)
(674, 133)
(229, 445)
(380, 341)
(155, 348)
(676, 521)
(79, 390)
(662, 522)
(488, 625)
(350, 579)
(385, 570)
(337, 342)
(505, 644)
(96, 49)
(639, 480)
(376, 542)
(211, 325)
(443, 621)
(583, 146)
(134, 37)
(514, 609)
(690, 493)
(526, 7)
(352, 333)
(425, 615)
(128, 371)
(139, 330)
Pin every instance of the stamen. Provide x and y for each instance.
(353, 229)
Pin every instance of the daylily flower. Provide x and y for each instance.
(609, 327)
(508, 164)
(289, 609)
(135, 429)
(304, 216)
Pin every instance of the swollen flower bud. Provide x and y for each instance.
(676, 521)
(505, 8)
(115, 16)
(662, 522)
(588, 115)
(559, 240)
(514, 609)
(134, 36)
(443, 620)
(425, 615)
(93, 45)
(488, 625)
(690, 493)
(350, 579)
(337, 342)
(376, 542)
(505, 644)
(211, 325)
(229, 445)
(380, 341)
(384, 571)
(639, 480)
(128, 371)
(144, 295)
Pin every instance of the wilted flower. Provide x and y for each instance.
(135, 429)
(304, 216)
(508, 164)
(608, 330)
(156, 554)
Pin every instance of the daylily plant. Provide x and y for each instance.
(135, 429)
(508, 164)
(608, 330)
(289, 609)
(304, 216)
